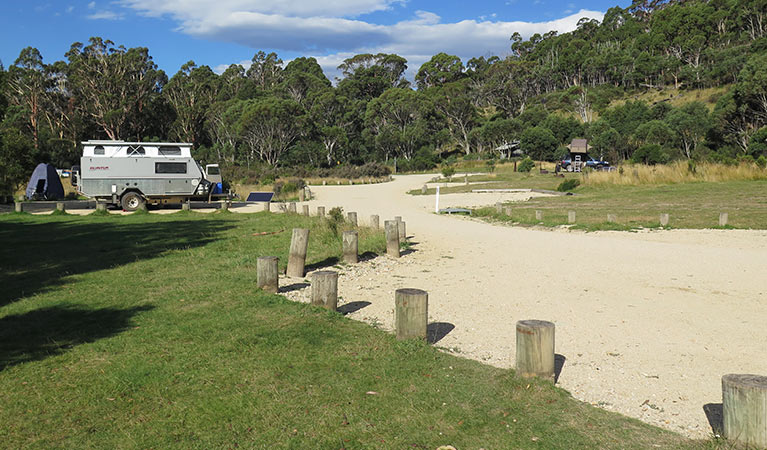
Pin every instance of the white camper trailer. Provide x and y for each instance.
(132, 174)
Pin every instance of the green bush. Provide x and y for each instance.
(568, 185)
(761, 161)
(448, 172)
(526, 165)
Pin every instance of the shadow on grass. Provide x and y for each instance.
(37, 255)
(36, 335)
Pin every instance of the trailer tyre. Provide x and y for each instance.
(131, 201)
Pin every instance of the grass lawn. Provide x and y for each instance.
(690, 205)
(147, 331)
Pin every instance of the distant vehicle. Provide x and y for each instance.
(588, 161)
(131, 174)
(65, 173)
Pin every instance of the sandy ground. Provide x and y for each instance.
(647, 322)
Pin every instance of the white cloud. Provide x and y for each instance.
(106, 15)
(92, 5)
(332, 31)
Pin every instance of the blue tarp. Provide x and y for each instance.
(45, 184)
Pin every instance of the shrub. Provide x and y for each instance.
(568, 185)
(526, 165)
(448, 172)
(761, 161)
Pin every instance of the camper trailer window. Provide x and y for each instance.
(136, 151)
(99, 150)
(167, 150)
(161, 167)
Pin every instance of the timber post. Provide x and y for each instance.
(325, 289)
(60, 206)
(352, 216)
(306, 210)
(570, 216)
(538, 215)
(292, 207)
(267, 206)
(611, 218)
(321, 211)
(664, 218)
(19, 207)
(267, 277)
(186, 206)
(299, 242)
(744, 409)
(723, 216)
(392, 238)
(350, 247)
(535, 349)
(374, 221)
(411, 312)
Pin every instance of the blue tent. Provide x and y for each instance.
(45, 184)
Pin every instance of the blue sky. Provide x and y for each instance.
(222, 32)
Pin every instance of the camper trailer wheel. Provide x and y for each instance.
(131, 201)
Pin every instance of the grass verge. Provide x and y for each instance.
(147, 331)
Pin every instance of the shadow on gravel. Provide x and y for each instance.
(327, 262)
(435, 331)
(715, 415)
(352, 307)
(559, 363)
(36, 335)
(293, 287)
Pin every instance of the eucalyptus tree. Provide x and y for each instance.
(440, 70)
(191, 92)
(28, 86)
(265, 70)
(113, 85)
(398, 121)
(269, 127)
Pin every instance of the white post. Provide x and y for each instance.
(436, 202)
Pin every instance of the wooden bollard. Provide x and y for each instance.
(392, 238)
(225, 207)
(301, 195)
(424, 189)
(186, 206)
(292, 207)
(299, 242)
(401, 228)
(498, 207)
(267, 277)
(352, 216)
(723, 219)
(664, 219)
(350, 247)
(19, 207)
(306, 210)
(411, 313)
(268, 206)
(60, 206)
(466, 180)
(101, 206)
(321, 211)
(535, 349)
(744, 409)
(507, 211)
(611, 218)
(570, 216)
(374, 221)
(325, 289)
(538, 215)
